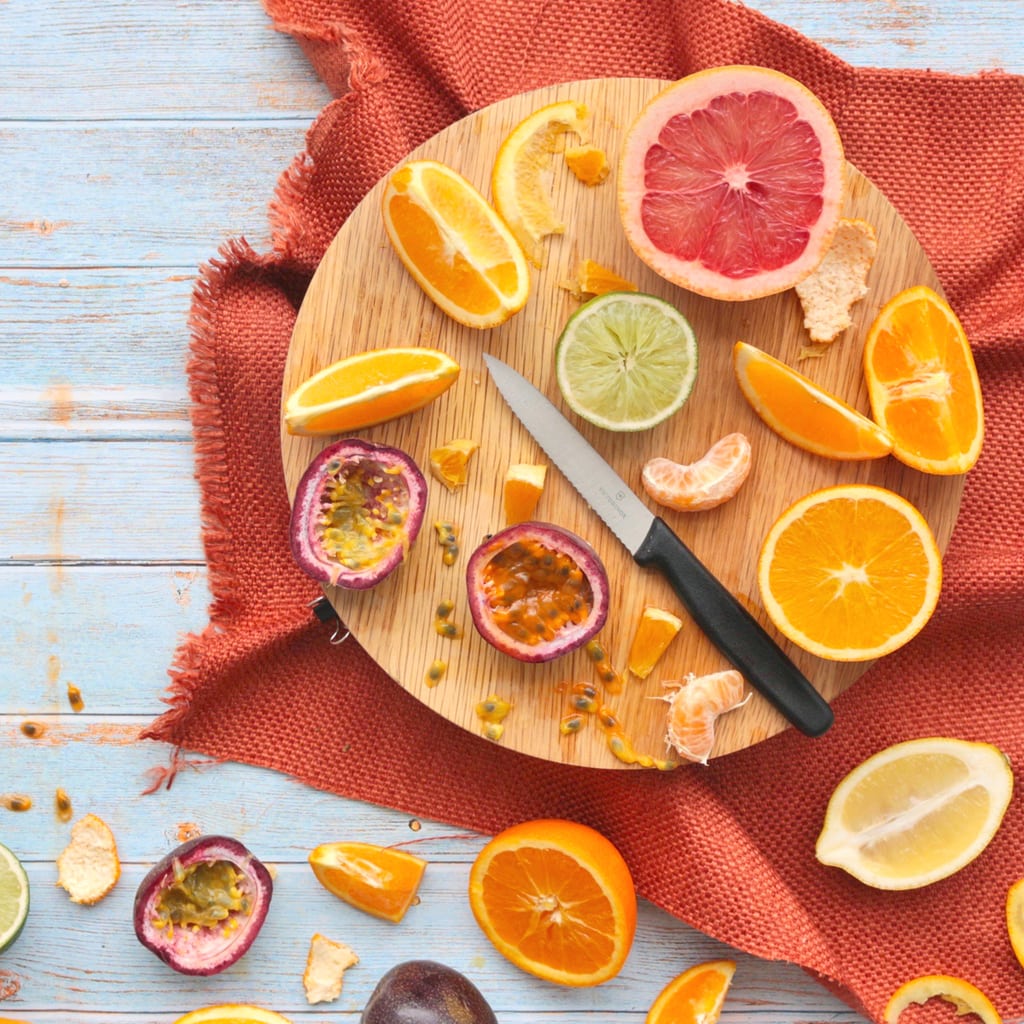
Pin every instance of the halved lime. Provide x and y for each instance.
(626, 361)
(13, 897)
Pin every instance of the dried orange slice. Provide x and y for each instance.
(1015, 919)
(368, 388)
(694, 707)
(967, 998)
(232, 1013)
(452, 241)
(802, 413)
(89, 867)
(850, 572)
(923, 384)
(695, 996)
(707, 483)
(520, 181)
(449, 463)
(557, 899)
(524, 484)
(379, 880)
(656, 629)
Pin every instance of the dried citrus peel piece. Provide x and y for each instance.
(89, 866)
(967, 998)
(325, 968)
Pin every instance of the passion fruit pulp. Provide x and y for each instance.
(357, 511)
(536, 591)
(200, 908)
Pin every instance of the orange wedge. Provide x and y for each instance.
(966, 997)
(454, 244)
(695, 997)
(923, 384)
(557, 900)
(524, 484)
(378, 880)
(802, 413)
(520, 181)
(1015, 919)
(232, 1013)
(656, 629)
(850, 572)
(368, 388)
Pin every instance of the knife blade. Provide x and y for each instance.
(653, 544)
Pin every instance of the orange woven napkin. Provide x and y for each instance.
(728, 848)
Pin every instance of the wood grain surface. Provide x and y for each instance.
(363, 298)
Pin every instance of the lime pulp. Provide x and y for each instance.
(626, 361)
(14, 897)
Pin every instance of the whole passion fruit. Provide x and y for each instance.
(426, 992)
(200, 908)
(536, 591)
(358, 508)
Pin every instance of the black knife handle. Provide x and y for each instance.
(734, 631)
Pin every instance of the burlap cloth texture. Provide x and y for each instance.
(730, 848)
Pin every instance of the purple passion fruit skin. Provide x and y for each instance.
(200, 908)
(357, 511)
(426, 992)
(536, 591)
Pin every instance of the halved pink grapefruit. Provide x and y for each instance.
(732, 181)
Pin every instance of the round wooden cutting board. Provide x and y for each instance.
(362, 298)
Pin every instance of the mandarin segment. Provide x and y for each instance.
(708, 482)
(695, 705)
(524, 485)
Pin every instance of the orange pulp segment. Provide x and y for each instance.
(379, 880)
(556, 899)
(656, 629)
(520, 180)
(588, 163)
(449, 462)
(454, 243)
(850, 572)
(695, 996)
(524, 484)
(368, 388)
(707, 483)
(802, 413)
(923, 384)
(967, 998)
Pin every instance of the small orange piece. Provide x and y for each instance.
(923, 384)
(695, 997)
(967, 998)
(588, 163)
(707, 483)
(89, 866)
(804, 414)
(524, 484)
(368, 388)
(1015, 919)
(850, 572)
(694, 707)
(379, 880)
(455, 245)
(450, 462)
(557, 899)
(656, 629)
(593, 278)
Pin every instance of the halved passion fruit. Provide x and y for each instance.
(358, 508)
(200, 908)
(536, 591)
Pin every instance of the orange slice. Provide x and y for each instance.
(850, 572)
(379, 880)
(695, 997)
(656, 629)
(89, 867)
(695, 706)
(232, 1013)
(923, 384)
(524, 484)
(454, 244)
(449, 463)
(1015, 919)
(557, 899)
(368, 388)
(801, 412)
(707, 483)
(966, 997)
(520, 181)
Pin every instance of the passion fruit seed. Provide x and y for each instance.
(571, 723)
(435, 672)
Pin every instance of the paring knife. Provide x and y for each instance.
(651, 542)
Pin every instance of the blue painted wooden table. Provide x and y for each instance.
(136, 136)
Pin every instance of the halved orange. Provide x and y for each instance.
(656, 629)
(923, 384)
(695, 996)
(379, 880)
(524, 484)
(368, 388)
(557, 899)
(803, 413)
(967, 998)
(1015, 919)
(454, 243)
(232, 1013)
(850, 572)
(708, 482)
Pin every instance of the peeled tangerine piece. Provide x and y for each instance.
(89, 866)
(707, 483)
(694, 707)
(325, 968)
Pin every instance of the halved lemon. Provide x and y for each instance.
(916, 812)
(232, 1013)
(967, 998)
